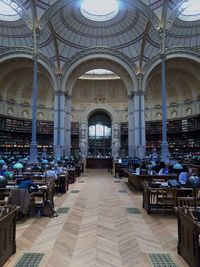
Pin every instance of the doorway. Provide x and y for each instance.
(99, 135)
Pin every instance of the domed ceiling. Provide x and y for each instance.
(64, 30)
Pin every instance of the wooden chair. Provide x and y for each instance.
(41, 196)
(22, 199)
(3, 196)
(167, 199)
(185, 201)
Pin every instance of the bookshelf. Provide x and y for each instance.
(124, 139)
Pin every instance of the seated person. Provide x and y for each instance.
(183, 177)
(36, 168)
(49, 173)
(164, 169)
(27, 184)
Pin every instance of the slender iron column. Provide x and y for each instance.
(33, 145)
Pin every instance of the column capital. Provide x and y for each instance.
(139, 93)
(59, 75)
(163, 56)
(35, 56)
(130, 97)
(140, 75)
(59, 93)
(67, 96)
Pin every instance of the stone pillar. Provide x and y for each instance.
(139, 124)
(59, 120)
(131, 131)
(115, 141)
(67, 133)
(33, 145)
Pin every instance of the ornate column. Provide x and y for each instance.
(33, 145)
(164, 144)
(139, 111)
(115, 140)
(67, 124)
(131, 128)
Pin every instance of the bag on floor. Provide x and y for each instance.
(48, 209)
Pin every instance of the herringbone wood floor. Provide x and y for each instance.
(98, 230)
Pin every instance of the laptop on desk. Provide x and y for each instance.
(174, 183)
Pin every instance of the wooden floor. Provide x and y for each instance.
(98, 230)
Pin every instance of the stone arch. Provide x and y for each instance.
(185, 53)
(103, 107)
(99, 56)
(27, 53)
(106, 109)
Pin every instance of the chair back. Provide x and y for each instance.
(185, 201)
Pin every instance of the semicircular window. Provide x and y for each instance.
(99, 135)
(9, 11)
(100, 10)
(190, 11)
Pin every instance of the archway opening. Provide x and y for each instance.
(99, 135)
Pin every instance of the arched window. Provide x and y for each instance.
(99, 135)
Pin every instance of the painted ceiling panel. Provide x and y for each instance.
(182, 33)
(131, 32)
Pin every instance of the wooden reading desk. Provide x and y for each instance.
(163, 198)
(137, 180)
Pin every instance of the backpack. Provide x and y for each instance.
(48, 209)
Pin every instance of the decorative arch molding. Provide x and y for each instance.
(26, 52)
(95, 107)
(104, 64)
(174, 52)
(100, 53)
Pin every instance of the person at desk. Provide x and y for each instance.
(164, 169)
(184, 175)
(27, 184)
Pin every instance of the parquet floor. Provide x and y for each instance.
(98, 231)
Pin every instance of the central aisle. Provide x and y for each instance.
(99, 229)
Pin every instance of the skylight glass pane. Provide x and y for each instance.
(99, 71)
(190, 10)
(7, 12)
(99, 10)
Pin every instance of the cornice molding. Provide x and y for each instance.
(172, 51)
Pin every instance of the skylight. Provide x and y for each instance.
(99, 10)
(99, 74)
(190, 10)
(9, 11)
